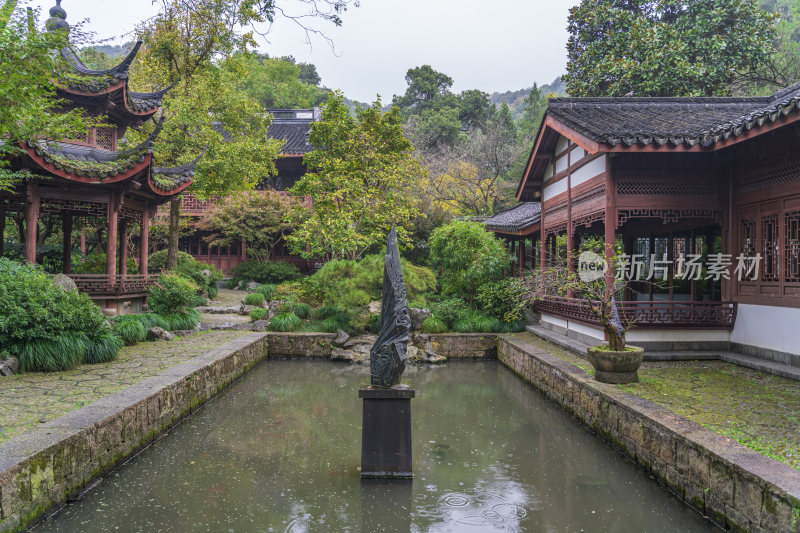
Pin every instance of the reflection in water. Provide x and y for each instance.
(279, 451)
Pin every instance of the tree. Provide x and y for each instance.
(29, 107)
(425, 87)
(278, 83)
(783, 68)
(664, 48)
(256, 217)
(363, 168)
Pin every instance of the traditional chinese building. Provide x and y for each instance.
(98, 176)
(676, 182)
(291, 126)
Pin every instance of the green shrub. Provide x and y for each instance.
(173, 294)
(487, 324)
(354, 284)
(511, 327)
(284, 322)
(333, 324)
(434, 325)
(468, 256)
(293, 290)
(374, 323)
(268, 290)
(259, 313)
(265, 272)
(182, 321)
(302, 310)
(203, 274)
(502, 299)
(47, 328)
(326, 311)
(96, 264)
(450, 310)
(103, 348)
(158, 261)
(254, 298)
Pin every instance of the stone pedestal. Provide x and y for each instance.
(386, 433)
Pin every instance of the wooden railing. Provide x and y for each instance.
(113, 285)
(649, 315)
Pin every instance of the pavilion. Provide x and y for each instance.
(97, 176)
(718, 178)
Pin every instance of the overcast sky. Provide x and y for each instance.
(493, 46)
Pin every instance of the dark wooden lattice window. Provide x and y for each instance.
(792, 245)
(770, 250)
(749, 237)
(104, 138)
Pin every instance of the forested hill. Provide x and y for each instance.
(516, 99)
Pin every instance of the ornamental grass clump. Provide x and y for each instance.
(434, 325)
(259, 313)
(47, 328)
(182, 321)
(268, 290)
(302, 310)
(284, 322)
(254, 298)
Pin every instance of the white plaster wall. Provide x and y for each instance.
(583, 329)
(548, 172)
(576, 154)
(555, 320)
(766, 326)
(555, 189)
(561, 163)
(686, 335)
(588, 171)
(561, 144)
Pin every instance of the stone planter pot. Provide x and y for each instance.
(616, 367)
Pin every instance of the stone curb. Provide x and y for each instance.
(43, 468)
(737, 487)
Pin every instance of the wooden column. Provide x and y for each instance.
(2, 232)
(521, 254)
(728, 240)
(31, 221)
(610, 226)
(244, 250)
(66, 256)
(123, 247)
(83, 245)
(570, 236)
(144, 241)
(111, 245)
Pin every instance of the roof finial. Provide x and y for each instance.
(58, 18)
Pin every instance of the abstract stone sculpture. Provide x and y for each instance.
(388, 354)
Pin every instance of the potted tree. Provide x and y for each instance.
(614, 361)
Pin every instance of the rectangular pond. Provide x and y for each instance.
(280, 451)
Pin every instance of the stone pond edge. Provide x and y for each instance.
(45, 467)
(738, 488)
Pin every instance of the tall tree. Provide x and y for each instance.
(426, 90)
(364, 169)
(279, 83)
(665, 48)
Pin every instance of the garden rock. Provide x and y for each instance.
(159, 333)
(428, 354)
(245, 309)
(367, 340)
(252, 285)
(418, 316)
(9, 366)
(374, 306)
(341, 338)
(261, 325)
(64, 282)
(337, 354)
(228, 310)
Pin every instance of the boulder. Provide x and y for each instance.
(430, 355)
(156, 333)
(374, 307)
(252, 285)
(338, 354)
(245, 309)
(9, 366)
(363, 340)
(64, 282)
(260, 325)
(227, 310)
(418, 316)
(341, 338)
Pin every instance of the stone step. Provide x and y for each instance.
(772, 367)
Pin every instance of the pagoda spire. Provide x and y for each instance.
(58, 18)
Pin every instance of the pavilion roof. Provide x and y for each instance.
(515, 219)
(671, 121)
(169, 180)
(292, 126)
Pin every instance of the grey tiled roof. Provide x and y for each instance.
(293, 126)
(515, 219)
(675, 121)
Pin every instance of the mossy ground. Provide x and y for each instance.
(758, 410)
(31, 398)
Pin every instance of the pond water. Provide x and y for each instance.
(280, 451)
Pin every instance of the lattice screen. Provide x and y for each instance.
(104, 137)
(792, 240)
(769, 248)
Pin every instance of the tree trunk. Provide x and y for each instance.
(174, 222)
